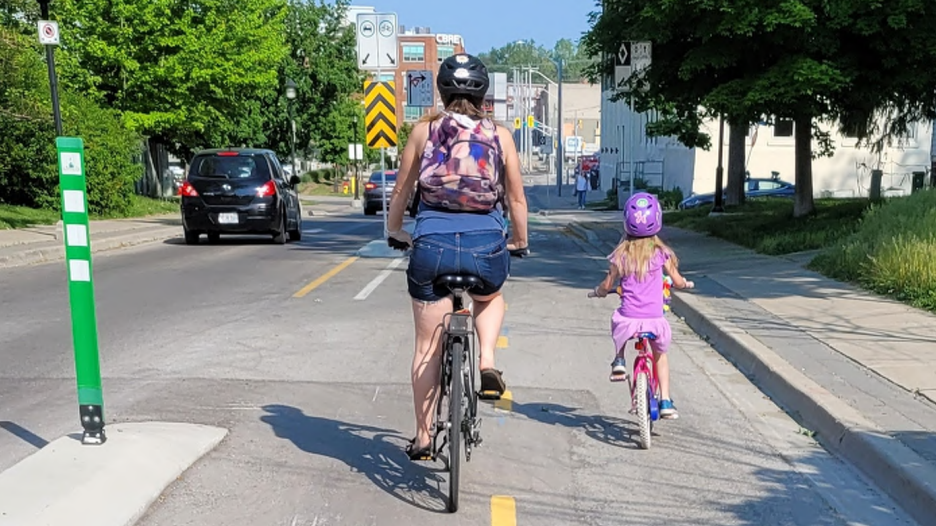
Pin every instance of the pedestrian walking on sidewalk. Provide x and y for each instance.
(581, 187)
(637, 265)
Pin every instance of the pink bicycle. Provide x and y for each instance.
(644, 386)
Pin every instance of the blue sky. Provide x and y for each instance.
(492, 23)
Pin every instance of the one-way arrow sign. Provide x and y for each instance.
(420, 93)
(391, 59)
(415, 80)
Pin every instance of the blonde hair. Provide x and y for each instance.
(464, 106)
(632, 256)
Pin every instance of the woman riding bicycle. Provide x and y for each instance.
(465, 165)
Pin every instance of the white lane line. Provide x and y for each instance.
(313, 231)
(366, 291)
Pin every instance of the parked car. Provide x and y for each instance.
(373, 193)
(756, 187)
(239, 191)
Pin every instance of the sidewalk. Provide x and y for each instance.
(40, 244)
(857, 369)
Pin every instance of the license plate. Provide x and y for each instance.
(228, 219)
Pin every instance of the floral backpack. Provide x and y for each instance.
(462, 165)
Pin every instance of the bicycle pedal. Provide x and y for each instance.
(618, 377)
(489, 395)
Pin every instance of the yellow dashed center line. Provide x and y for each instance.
(503, 511)
(325, 277)
(506, 401)
(502, 342)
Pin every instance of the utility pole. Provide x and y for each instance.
(559, 149)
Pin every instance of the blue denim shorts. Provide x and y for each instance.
(482, 253)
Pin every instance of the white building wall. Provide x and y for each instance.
(625, 147)
(847, 173)
(665, 162)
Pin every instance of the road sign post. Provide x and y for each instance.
(49, 38)
(380, 123)
(73, 184)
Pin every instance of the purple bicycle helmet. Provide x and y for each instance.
(643, 215)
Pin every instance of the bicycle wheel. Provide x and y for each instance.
(455, 424)
(643, 411)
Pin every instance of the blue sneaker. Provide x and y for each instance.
(668, 410)
(619, 367)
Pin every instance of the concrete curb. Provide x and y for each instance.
(139, 236)
(113, 484)
(907, 477)
(584, 233)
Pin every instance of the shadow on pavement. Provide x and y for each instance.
(365, 449)
(24, 434)
(611, 431)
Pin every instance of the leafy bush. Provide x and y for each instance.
(28, 171)
(893, 251)
(109, 156)
(321, 176)
(768, 225)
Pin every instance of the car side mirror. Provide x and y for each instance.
(294, 181)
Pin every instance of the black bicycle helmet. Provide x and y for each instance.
(463, 74)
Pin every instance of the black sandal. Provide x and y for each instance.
(492, 384)
(423, 454)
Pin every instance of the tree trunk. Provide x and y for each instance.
(803, 204)
(734, 192)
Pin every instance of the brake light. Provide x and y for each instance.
(268, 189)
(370, 186)
(228, 154)
(188, 190)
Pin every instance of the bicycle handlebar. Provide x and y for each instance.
(396, 244)
(618, 291)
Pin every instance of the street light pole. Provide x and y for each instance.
(559, 149)
(53, 78)
(290, 96)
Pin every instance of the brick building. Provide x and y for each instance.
(420, 49)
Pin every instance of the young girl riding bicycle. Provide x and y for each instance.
(636, 266)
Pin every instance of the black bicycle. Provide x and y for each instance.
(456, 420)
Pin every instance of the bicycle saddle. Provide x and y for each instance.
(458, 281)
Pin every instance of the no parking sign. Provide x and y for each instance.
(48, 33)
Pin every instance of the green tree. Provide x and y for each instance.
(528, 53)
(188, 74)
(807, 60)
(323, 63)
(28, 174)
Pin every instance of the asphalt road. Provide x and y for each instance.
(313, 384)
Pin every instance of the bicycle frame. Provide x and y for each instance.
(458, 327)
(644, 363)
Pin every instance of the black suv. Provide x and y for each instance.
(239, 191)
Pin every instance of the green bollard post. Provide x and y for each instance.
(81, 287)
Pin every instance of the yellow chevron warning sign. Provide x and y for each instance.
(380, 114)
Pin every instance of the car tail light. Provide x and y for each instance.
(188, 190)
(228, 154)
(268, 189)
(370, 186)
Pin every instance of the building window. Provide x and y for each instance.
(387, 77)
(445, 52)
(412, 113)
(783, 128)
(414, 53)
